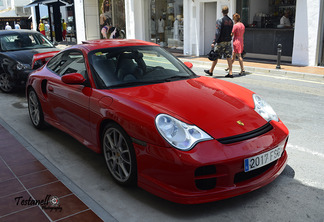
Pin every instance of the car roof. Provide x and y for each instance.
(16, 31)
(111, 43)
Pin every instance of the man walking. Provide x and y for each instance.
(41, 27)
(17, 26)
(64, 30)
(222, 40)
(8, 27)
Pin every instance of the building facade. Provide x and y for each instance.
(13, 12)
(189, 25)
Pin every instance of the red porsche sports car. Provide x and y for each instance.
(186, 138)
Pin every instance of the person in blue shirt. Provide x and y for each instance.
(17, 26)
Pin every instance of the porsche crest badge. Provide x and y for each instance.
(240, 123)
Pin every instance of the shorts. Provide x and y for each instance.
(224, 49)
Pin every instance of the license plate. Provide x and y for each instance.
(263, 159)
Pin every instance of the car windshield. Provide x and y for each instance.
(136, 65)
(23, 41)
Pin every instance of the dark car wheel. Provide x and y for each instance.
(6, 83)
(119, 154)
(35, 110)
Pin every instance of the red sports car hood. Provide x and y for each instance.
(213, 105)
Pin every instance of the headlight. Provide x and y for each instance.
(179, 134)
(264, 109)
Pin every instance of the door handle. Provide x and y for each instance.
(50, 88)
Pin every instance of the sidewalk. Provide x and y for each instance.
(30, 192)
(304, 72)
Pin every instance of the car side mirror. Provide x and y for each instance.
(188, 64)
(73, 79)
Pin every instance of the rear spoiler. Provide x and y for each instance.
(41, 58)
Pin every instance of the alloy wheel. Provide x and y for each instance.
(6, 84)
(118, 155)
(35, 110)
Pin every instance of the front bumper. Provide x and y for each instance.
(211, 171)
(21, 76)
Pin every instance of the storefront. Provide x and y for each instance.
(264, 24)
(24, 22)
(166, 23)
(162, 22)
(57, 11)
(14, 15)
(189, 25)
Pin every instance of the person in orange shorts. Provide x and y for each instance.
(41, 27)
(64, 30)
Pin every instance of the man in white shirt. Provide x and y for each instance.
(161, 29)
(8, 27)
(285, 20)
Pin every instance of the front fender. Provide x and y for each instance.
(41, 58)
(8, 65)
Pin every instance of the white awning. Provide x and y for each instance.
(8, 13)
(44, 2)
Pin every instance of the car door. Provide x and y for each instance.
(69, 103)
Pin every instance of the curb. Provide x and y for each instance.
(277, 72)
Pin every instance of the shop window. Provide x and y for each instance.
(166, 24)
(112, 19)
(243, 9)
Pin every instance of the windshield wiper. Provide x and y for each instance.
(173, 78)
(136, 83)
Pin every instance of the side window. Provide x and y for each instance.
(56, 62)
(33, 40)
(68, 62)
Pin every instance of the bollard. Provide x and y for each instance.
(279, 48)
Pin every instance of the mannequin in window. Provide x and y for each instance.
(153, 27)
(176, 29)
(161, 29)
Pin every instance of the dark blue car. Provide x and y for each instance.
(17, 48)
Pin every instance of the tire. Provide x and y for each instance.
(119, 155)
(35, 110)
(6, 83)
